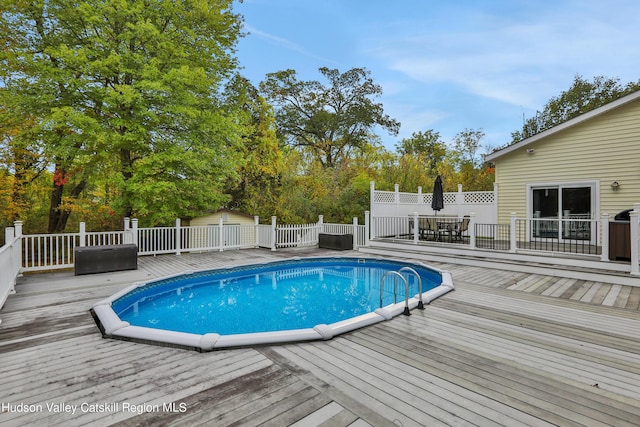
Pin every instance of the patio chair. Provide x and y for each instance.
(432, 227)
(427, 228)
(461, 227)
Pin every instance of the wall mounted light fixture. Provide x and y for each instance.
(530, 150)
(615, 185)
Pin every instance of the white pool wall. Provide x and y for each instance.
(114, 327)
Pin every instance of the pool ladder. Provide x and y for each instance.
(406, 288)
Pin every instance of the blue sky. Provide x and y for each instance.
(447, 65)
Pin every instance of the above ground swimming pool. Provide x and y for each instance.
(298, 299)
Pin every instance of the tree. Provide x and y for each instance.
(256, 183)
(133, 85)
(581, 97)
(465, 146)
(425, 145)
(328, 121)
(469, 168)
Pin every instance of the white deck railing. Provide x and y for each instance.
(10, 261)
(297, 235)
(359, 232)
(48, 251)
(157, 240)
(56, 251)
(542, 235)
(104, 238)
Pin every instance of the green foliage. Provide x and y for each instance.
(581, 97)
(465, 147)
(258, 177)
(133, 85)
(425, 145)
(327, 121)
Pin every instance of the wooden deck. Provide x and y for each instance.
(504, 348)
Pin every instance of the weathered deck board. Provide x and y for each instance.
(506, 348)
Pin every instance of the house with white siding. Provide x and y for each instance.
(580, 169)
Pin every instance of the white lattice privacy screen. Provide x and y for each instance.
(395, 203)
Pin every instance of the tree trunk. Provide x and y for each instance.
(58, 217)
(64, 214)
(54, 208)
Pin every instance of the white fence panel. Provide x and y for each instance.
(103, 238)
(48, 251)
(246, 236)
(395, 203)
(391, 226)
(358, 231)
(157, 240)
(200, 238)
(337, 228)
(231, 236)
(298, 235)
(265, 236)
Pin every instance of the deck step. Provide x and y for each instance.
(550, 266)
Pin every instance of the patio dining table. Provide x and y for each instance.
(445, 227)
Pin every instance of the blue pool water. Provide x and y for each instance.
(278, 296)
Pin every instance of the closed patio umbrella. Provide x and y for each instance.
(437, 202)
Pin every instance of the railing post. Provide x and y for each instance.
(459, 200)
(273, 233)
(83, 234)
(372, 228)
(355, 232)
(367, 227)
(604, 244)
(320, 224)
(372, 195)
(472, 230)
(16, 261)
(416, 228)
(396, 197)
(17, 233)
(134, 232)
(634, 216)
(495, 203)
(126, 231)
(178, 233)
(420, 198)
(17, 226)
(512, 233)
(9, 235)
(221, 233)
(256, 230)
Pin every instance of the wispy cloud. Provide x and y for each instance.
(518, 63)
(285, 44)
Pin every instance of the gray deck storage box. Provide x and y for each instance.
(341, 242)
(103, 259)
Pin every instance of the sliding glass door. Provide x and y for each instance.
(563, 211)
(545, 211)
